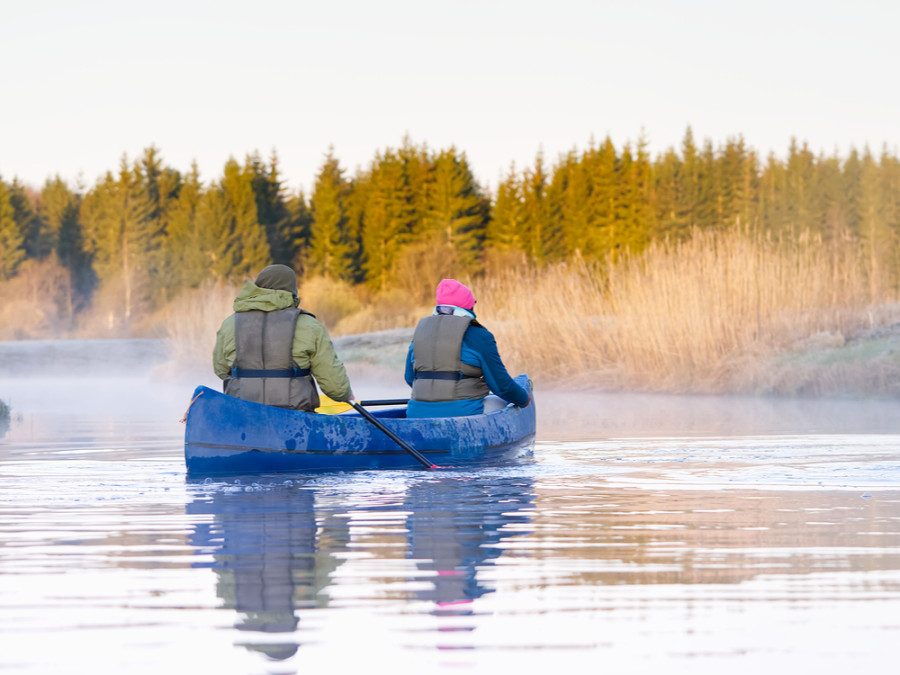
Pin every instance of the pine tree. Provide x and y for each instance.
(162, 185)
(707, 207)
(418, 171)
(569, 226)
(59, 209)
(669, 196)
(773, 217)
(330, 249)
(244, 234)
(828, 209)
(116, 216)
(271, 207)
(633, 217)
(737, 175)
(800, 178)
(387, 217)
(37, 243)
(601, 168)
(890, 186)
(12, 250)
(503, 232)
(535, 210)
(299, 230)
(853, 193)
(189, 258)
(876, 236)
(689, 191)
(456, 210)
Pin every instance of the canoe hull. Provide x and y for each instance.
(225, 435)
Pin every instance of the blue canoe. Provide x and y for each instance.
(225, 435)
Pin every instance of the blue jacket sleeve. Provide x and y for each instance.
(410, 372)
(479, 341)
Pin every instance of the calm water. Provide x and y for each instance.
(649, 534)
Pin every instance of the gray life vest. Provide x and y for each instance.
(440, 374)
(264, 370)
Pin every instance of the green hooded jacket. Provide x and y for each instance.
(312, 346)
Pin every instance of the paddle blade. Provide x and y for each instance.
(329, 406)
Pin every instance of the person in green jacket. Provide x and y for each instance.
(272, 352)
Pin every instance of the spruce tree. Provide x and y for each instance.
(535, 210)
(271, 207)
(876, 236)
(689, 191)
(707, 206)
(330, 249)
(568, 229)
(117, 218)
(37, 242)
(669, 197)
(184, 246)
(456, 209)
(12, 250)
(59, 210)
(601, 167)
(161, 185)
(245, 234)
(387, 217)
(503, 233)
(299, 230)
(800, 177)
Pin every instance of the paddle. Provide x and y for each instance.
(390, 434)
(331, 407)
(386, 401)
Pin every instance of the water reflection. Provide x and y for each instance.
(263, 540)
(456, 527)
(276, 547)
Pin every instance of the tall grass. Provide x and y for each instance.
(710, 314)
(192, 319)
(191, 322)
(703, 315)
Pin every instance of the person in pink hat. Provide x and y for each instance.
(453, 363)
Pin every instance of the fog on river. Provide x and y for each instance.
(648, 533)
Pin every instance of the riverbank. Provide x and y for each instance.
(863, 363)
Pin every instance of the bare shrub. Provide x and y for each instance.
(419, 268)
(193, 319)
(383, 311)
(34, 302)
(330, 300)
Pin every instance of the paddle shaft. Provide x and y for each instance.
(390, 434)
(386, 401)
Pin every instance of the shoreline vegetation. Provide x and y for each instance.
(706, 269)
(717, 314)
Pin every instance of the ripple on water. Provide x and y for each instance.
(693, 553)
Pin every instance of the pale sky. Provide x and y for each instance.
(86, 82)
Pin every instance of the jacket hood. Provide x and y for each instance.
(253, 297)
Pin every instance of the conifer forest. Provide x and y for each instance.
(145, 232)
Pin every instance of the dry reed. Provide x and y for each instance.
(710, 314)
(703, 315)
(192, 321)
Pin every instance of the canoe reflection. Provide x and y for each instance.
(276, 547)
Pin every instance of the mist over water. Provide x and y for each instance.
(651, 533)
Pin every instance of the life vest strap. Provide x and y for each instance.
(442, 376)
(292, 372)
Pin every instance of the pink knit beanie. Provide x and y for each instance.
(451, 292)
